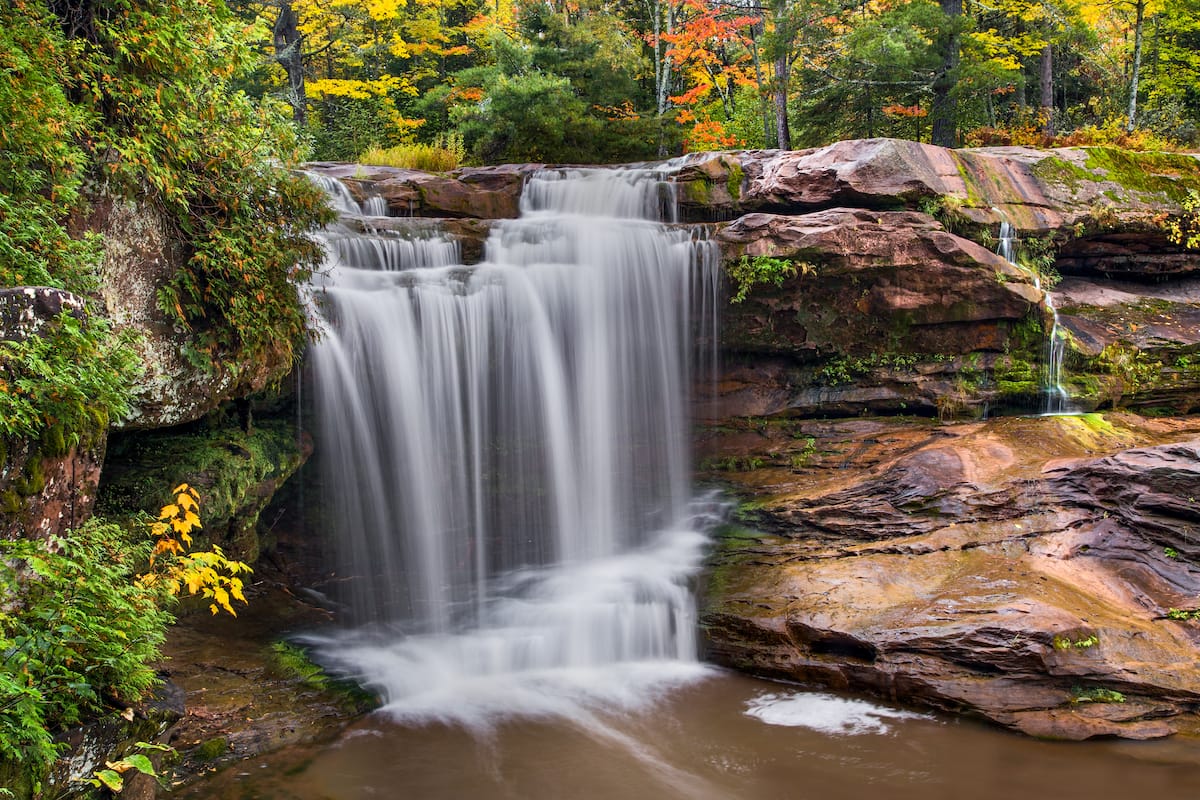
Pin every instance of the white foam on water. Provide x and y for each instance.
(826, 713)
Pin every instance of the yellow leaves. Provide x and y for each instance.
(357, 89)
(207, 573)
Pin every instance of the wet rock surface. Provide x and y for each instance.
(1037, 572)
(475, 192)
(242, 694)
(866, 278)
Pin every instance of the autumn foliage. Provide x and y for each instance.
(209, 573)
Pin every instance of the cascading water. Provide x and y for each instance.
(506, 451)
(1056, 398)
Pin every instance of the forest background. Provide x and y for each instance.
(587, 81)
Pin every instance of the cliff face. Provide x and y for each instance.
(1038, 572)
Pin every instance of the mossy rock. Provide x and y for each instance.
(236, 473)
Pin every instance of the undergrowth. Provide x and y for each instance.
(446, 153)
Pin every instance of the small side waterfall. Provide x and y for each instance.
(506, 448)
(1056, 399)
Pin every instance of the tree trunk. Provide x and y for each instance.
(288, 43)
(944, 108)
(1140, 5)
(783, 133)
(1046, 83)
(764, 102)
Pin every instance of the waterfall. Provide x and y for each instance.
(505, 451)
(1056, 398)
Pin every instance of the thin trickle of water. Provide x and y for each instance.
(375, 206)
(1056, 399)
(506, 451)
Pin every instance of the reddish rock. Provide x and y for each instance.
(866, 276)
(972, 568)
(477, 192)
(871, 288)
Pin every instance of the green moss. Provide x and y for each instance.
(54, 441)
(1053, 169)
(33, 477)
(698, 192)
(1171, 174)
(225, 464)
(734, 182)
(975, 198)
(10, 501)
(291, 661)
(733, 543)
(212, 749)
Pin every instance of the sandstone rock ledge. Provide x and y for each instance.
(1036, 572)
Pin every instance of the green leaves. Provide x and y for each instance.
(748, 272)
(82, 633)
(72, 377)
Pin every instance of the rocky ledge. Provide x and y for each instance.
(1041, 573)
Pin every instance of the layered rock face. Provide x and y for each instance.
(1001, 569)
(1036, 572)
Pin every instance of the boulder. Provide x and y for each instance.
(140, 255)
(886, 311)
(988, 568)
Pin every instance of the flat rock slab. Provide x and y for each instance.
(1011, 569)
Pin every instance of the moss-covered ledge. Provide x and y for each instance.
(237, 473)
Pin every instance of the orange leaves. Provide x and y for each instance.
(709, 134)
(898, 110)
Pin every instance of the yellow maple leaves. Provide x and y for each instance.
(208, 573)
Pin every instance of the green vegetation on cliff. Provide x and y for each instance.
(138, 98)
(137, 101)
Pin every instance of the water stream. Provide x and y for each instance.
(726, 738)
(506, 453)
(1056, 398)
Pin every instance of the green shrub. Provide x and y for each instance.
(69, 379)
(77, 633)
(748, 272)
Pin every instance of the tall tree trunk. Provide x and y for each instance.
(1140, 5)
(764, 102)
(783, 133)
(288, 52)
(1046, 83)
(944, 108)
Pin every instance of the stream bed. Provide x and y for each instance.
(726, 736)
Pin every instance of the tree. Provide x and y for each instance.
(289, 52)
(943, 106)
